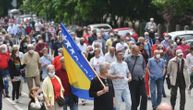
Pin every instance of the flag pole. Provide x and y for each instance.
(94, 71)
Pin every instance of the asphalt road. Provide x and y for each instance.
(8, 104)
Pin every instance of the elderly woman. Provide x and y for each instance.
(103, 96)
(52, 89)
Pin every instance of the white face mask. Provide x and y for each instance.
(158, 56)
(51, 74)
(17, 54)
(59, 54)
(166, 38)
(41, 97)
(31, 51)
(161, 51)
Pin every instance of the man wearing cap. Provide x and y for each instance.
(179, 77)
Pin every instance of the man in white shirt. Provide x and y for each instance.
(82, 45)
(110, 56)
(97, 60)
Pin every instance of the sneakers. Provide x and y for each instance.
(7, 96)
(18, 101)
(14, 102)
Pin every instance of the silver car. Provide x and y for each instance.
(187, 34)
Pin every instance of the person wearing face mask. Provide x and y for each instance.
(89, 52)
(189, 59)
(57, 45)
(20, 55)
(32, 68)
(137, 67)
(40, 45)
(15, 70)
(52, 89)
(155, 67)
(45, 60)
(71, 100)
(56, 61)
(110, 41)
(4, 62)
(179, 78)
(101, 42)
(184, 47)
(166, 40)
(36, 99)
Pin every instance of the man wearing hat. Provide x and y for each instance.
(179, 78)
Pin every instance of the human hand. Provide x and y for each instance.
(106, 89)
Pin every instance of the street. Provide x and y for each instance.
(8, 104)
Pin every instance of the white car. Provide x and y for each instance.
(98, 27)
(187, 34)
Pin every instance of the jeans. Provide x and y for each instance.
(15, 91)
(71, 103)
(156, 86)
(138, 94)
(5, 74)
(125, 94)
(191, 84)
(174, 90)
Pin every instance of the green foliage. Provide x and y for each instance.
(77, 11)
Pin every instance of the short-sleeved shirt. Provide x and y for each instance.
(156, 68)
(32, 64)
(120, 69)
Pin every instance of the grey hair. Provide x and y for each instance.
(133, 47)
(103, 66)
(50, 66)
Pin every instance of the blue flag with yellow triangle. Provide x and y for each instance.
(78, 69)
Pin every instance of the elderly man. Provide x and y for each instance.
(110, 56)
(102, 95)
(164, 106)
(136, 65)
(156, 66)
(179, 78)
(31, 61)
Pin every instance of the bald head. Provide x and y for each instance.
(164, 106)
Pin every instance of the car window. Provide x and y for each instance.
(124, 32)
(187, 36)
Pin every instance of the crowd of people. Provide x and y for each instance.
(132, 70)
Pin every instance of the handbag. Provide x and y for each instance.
(168, 81)
(60, 100)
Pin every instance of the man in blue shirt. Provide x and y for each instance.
(156, 66)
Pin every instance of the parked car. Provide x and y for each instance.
(123, 31)
(187, 34)
(98, 27)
